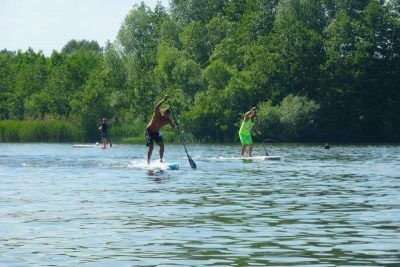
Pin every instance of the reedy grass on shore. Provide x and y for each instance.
(39, 131)
(67, 131)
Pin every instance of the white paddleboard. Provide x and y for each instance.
(262, 158)
(84, 146)
(172, 165)
(98, 146)
(162, 166)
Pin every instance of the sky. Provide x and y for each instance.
(48, 25)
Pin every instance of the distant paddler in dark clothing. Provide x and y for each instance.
(245, 130)
(152, 133)
(104, 133)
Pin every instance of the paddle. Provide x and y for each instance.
(191, 162)
(258, 126)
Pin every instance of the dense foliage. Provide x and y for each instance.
(318, 69)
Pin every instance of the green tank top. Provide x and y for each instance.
(246, 127)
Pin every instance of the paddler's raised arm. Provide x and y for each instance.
(159, 104)
(248, 114)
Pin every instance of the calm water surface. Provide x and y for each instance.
(65, 206)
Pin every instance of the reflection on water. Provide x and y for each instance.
(67, 207)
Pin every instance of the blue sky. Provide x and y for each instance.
(48, 25)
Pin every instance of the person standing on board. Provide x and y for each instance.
(245, 130)
(104, 133)
(152, 133)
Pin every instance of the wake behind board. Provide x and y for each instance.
(262, 158)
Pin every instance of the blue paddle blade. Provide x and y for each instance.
(191, 162)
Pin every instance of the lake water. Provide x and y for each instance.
(65, 206)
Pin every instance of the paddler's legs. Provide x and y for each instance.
(151, 146)
(243, 150)
(250, 144)
(161, 144)
(104, 142)
(246, 142)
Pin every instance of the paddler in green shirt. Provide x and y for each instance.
(245, 130)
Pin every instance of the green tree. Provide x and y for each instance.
(139, 35)
(37, 106)
(196, 43)
(187, 11)
(296, 50)
(74, 45)
(79, 65)
(7, 81)
(58, 91)
(218, 74)
(92, 104)
(116, 81)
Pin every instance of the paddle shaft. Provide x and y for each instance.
(192, 164)
(259, 128)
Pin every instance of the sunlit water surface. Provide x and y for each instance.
(66, 206)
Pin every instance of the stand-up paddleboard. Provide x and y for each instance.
(98, 146)
(85, 146)
(262, 158)
(172, 166)
(162, 166)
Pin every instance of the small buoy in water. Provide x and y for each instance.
(327, 146)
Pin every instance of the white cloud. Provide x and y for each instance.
(48, 25)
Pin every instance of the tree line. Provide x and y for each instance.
(318, 70)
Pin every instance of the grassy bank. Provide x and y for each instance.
(65, 131)
(39, 131)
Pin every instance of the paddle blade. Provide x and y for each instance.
(191, 162)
